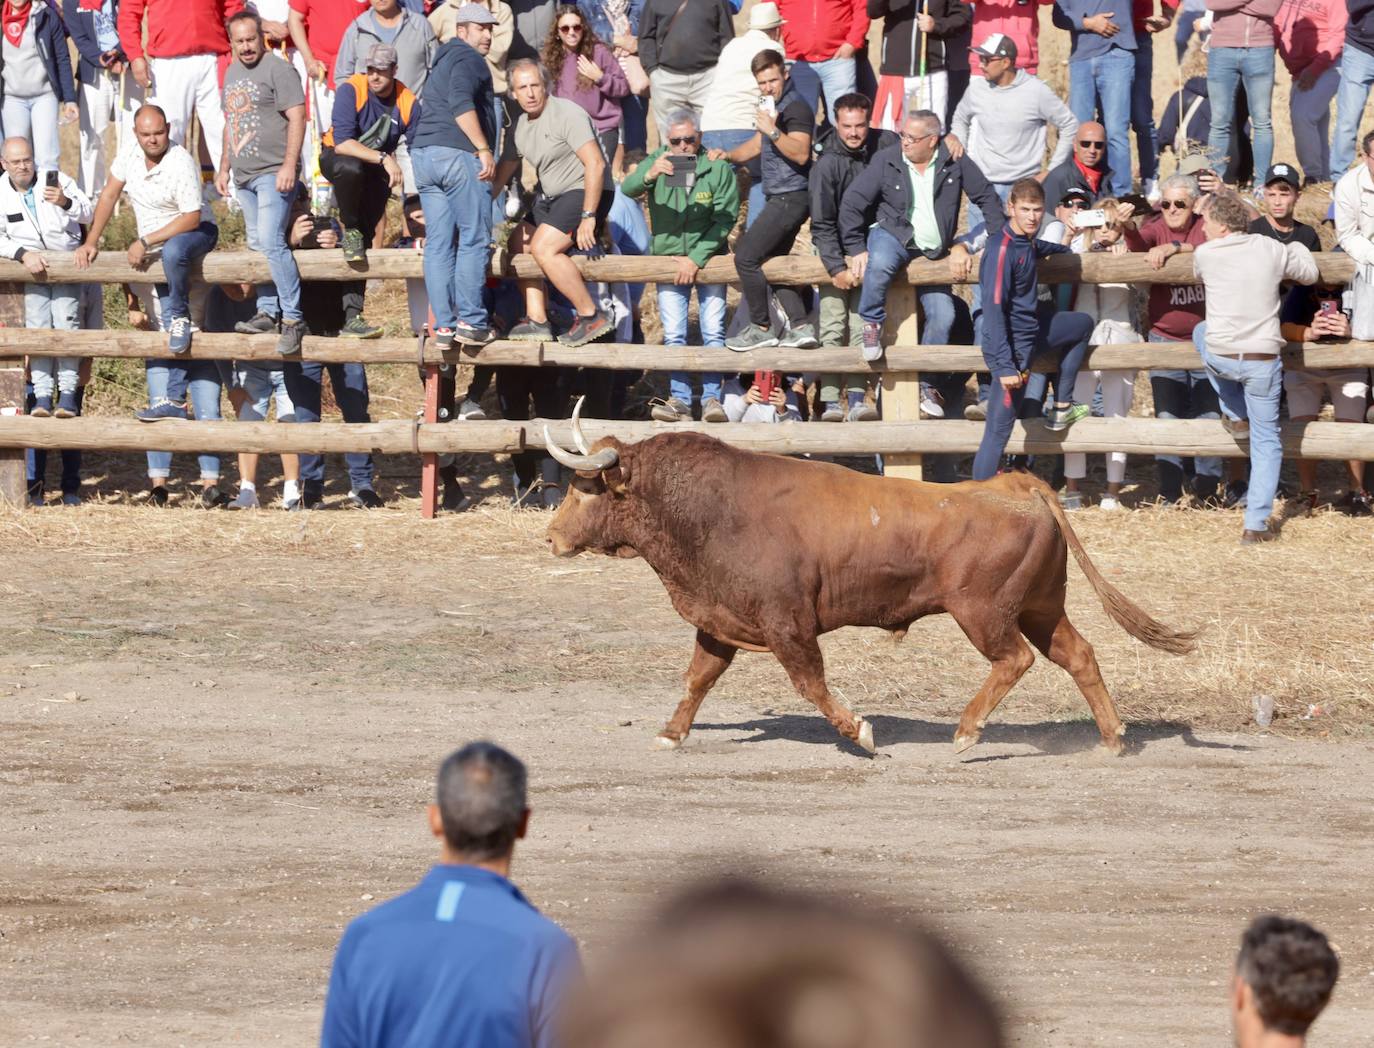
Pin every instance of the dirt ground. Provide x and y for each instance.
(219, 733)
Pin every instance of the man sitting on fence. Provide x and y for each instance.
(373, 112)
(1240, 341)
(693, 206)
(174, 226)
(905, 205)
(34, 219)
(571, 203)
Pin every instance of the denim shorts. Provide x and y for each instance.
(262, 384)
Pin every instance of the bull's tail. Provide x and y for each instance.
(1124, 612)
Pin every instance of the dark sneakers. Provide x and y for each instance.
(471, 335)
(157, 495)
(291, 337)
(360, 328)
(752, 337)
(354, 247)
(42, 408)
(66, 406)
(211, 497)
(163, 410)
(587, 329)
(1059, 419)
(260, 324)
(530, 331)
(179, 336)
(365, 498)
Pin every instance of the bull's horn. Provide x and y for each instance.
(577, 436)
(597, 463)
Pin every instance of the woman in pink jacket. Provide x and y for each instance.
(1311, 36)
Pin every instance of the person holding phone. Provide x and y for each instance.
(693, 206)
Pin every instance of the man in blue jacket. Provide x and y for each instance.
(1018, 328)
(103, 81)
(462, 959)
(909, 195)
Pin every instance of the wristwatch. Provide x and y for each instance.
(774, 135)
(1178, 244)
(146, 245)
(588, 214)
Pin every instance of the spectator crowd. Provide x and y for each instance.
(653, 127)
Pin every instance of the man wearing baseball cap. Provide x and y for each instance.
(373, 113)
(453, 161)
(1281, 187)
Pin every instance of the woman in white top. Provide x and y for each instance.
(1112, 307)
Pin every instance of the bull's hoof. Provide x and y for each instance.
(965, 742)
(665, 742)
(865, 738)
(1116, 746)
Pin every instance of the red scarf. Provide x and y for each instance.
(1093, 175)
(14, 22)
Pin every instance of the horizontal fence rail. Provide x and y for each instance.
(140, 344)
(1189, 437)
(230, 267)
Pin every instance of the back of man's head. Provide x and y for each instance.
(736, 965)
(481, 801)
(1290, 970)
(1229, 210)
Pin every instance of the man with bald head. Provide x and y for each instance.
(174, 227)
(1085, 169)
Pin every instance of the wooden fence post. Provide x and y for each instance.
(429, 462)
(14, 480)
(902, 389)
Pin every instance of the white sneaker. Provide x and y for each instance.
(1150, 190)
(247, 498)
(932, 404)
(1109, 503)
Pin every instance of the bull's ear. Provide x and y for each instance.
(618, 477)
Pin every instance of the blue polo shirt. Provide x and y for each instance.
(461, 960)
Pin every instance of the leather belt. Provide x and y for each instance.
(1247, 356)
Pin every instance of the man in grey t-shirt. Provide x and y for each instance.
(264, 124)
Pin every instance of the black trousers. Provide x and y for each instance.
(545, 389)
(361, 190)
(772, 234)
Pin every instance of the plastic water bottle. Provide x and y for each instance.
(1264, 709)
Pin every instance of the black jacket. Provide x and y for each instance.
(883, 191)
(902, 39)
(699, 34)
(1067, 176)
(1359, 29)
(835, 167)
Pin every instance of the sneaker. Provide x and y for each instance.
(802, 336)
(471, 411)
(211, 497)
(1249, 538)
(587, 329)
(1238, 428)
(864, 412)
(832, 412)
(1110, 503)
(69, 498)
(310, 498)
(873, 340)
(42, 408)
(157, 495)
(289, 341)
(530, 331)
(260, 324)
(179, 336)
(977, 411)
(1071, 500)
(365, 498)
(1149, 189)
(671, 410)
(67, 406)
(932, 404)
(752, 337)
(471, 335)
(163, 410)
(1059, 419)
(443, 338)
(712, 411)
(1235, 494)
(354, 246)
(1357, 504)
(247, 498)
(360, 328)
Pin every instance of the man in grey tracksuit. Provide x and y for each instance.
(408, 32)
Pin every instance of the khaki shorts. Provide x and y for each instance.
(1347, 390)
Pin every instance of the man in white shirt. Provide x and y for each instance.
(1241, 340)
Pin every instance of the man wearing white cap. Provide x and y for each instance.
(727, 121)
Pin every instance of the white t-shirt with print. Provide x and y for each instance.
(163, 192)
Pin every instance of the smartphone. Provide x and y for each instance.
(1090, 219)
(684, 173)
(1329, 307)
(767, 104)
(50, 179)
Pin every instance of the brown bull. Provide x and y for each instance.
(766, 553)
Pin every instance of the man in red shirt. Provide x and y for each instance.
(822, 37)
(179, 69)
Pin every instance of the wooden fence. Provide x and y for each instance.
(902, 438)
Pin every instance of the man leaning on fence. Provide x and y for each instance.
(1241, 340)
(693, 206)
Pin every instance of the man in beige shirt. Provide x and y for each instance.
(1241, 340)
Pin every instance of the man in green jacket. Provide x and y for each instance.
(692, 211)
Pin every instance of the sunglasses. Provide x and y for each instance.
(570, 29)
(685, 140)
(1074, 204)
(1177, 205)
(1086, 144)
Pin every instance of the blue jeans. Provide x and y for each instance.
(305, 385)
(457, 233)
(1106, 82)
(178, 256)
(887, 257)
(728, 140)
(831, 79)
(1249, 389)
(1184, 394)
(266, 214)
(36, 459)
(1357, 75)
(35, 119)
(1143, 111)
(673, 302)
(1254, 68)
(203, 379)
